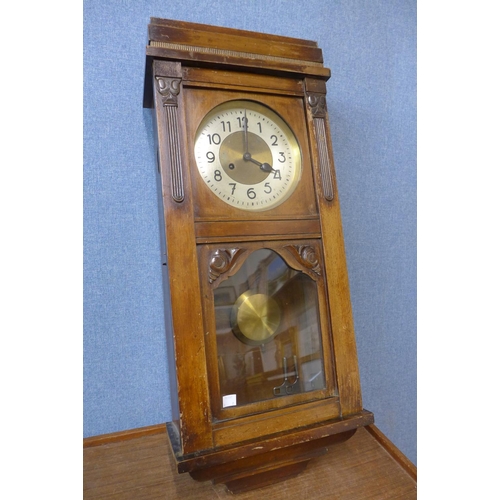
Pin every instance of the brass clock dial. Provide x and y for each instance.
(247, 155)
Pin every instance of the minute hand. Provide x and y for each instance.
(245, 133)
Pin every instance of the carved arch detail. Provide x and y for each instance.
(226, 261)
(306, 256)
(222, 261)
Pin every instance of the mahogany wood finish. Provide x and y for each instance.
(190, 69)
(117, 437)
(363, 467)
(395, 453)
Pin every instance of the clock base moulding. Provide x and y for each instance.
(253, 465)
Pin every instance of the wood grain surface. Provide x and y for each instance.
(361, 468)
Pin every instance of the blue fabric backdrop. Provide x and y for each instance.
(370, 47)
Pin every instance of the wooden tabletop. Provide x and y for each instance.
(365, 467)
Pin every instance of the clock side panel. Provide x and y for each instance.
(300, 204)
(187, 336)
(346, 360)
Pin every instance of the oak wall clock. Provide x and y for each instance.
(262, 350)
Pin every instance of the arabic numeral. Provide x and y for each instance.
(214, 139)
(241, 121)
(217, 175)
(251, 193)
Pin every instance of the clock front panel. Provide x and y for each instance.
(250, 159)
(268, 337)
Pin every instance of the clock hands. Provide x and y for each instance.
(265, 167)
(245, 134)
(247, 156)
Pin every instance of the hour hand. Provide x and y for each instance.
(265, 167)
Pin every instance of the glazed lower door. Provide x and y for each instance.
(270, 346)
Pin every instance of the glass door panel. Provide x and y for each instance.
(268, 332)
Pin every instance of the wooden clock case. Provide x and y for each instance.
(191, 68)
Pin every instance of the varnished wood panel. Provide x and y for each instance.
(400, 458)
(256, 426)
(234, 60)
(257, 448)
(215, 30)
(234, 40)
(346, 359)
(204, 77)
(116, 437)
(204, 45)
(188, 335)
(207, 231)
(250, 473)
(143, 469)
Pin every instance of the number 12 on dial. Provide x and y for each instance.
(247, 155)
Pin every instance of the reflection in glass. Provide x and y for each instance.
(268, 332)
